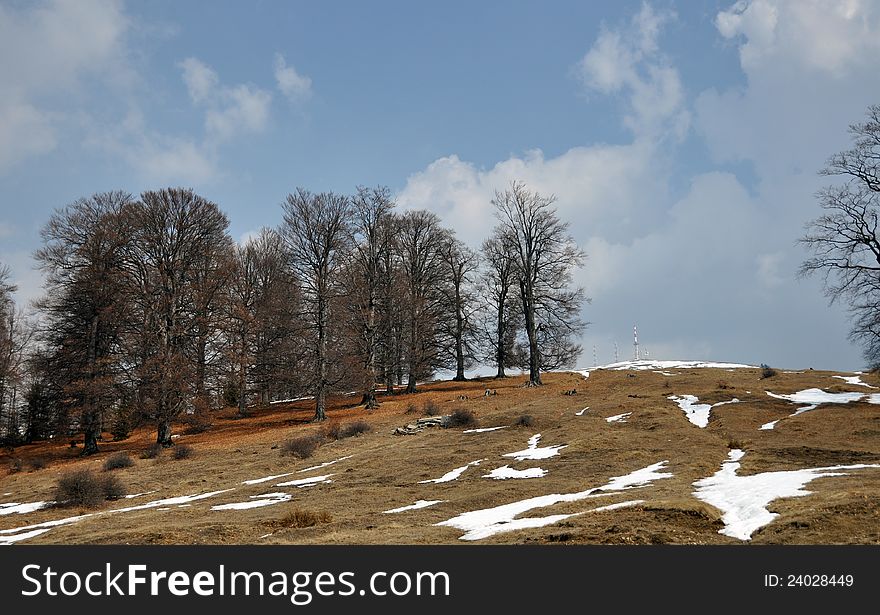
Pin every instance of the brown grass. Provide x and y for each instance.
(299, 518)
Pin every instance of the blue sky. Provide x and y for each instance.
(681, 139)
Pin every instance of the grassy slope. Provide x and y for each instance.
(385, 469)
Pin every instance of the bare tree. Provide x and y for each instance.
(419, 241)
(315, 231)
(15, 335)
(459, 267)
(500, 296)
(173, 230)
(544, 255)
(844, 241)
(83, 258)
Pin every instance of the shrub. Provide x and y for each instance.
(331, 431)
(38, 463)
(411, 408)
(723, 384)
(461, 418)
(767, 371)
(117, 461)
(152, 452)
(16, 466)
(121, 427)
(183, 451)
(299, 518)
(526, 420)
(354, 429)
(430, 408)
(84, 488)
(301, 447)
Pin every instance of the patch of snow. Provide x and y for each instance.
(16, 534)
(662, 373)
(485, 429)
(581, 413)
(452, 474)
(618, 506)
(792, 372)
(854, 380)
(505, 472)
(287, 401)
(307, 482)
(182, 499)
(583, 372)
(768, 426)
(256, 501)
(324, 465)
(479, 524)
(619, 418)
(665, 365)
(743, 500)
(812, 398)
(137, 495)
(535, 453)
(698, 414)
(415, 506)
(14, 508)
(265, 479)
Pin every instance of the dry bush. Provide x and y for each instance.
(526, 420)
(430, 408)
(354, 429)
(767, 371)
(331, 431)
(461, 418)
(411, 408)
(151, 452)
(183, 451)
(84, 488)
(16, 466)
(299, 518)
(301, 447)
(723, 384)
(118, 461)
(38, 463)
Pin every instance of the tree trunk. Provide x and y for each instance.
(369, 400)
(163, 436)
(90, 442)
(242, 379)
(500, 354)
(413, 347)
(531, 332)
(459, 338)
(321, 367)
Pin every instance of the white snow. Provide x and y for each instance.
(16, 534)
(137, 495)
(812, 398)
(256, 501)
(15, 508)
(265, 479)
(505, 472)
(618, 506)
(743, 500)
(307, 482)
(581, 412)
(452, 474)
(535, 453)
(485, 429)
(768, 426)
(854, 380)
(479, 524)
(665, 365)
(619, 418)
(698, 414)
(415, 506)
(662, 373)
(182, 499)
(287, 401)
(324, 465)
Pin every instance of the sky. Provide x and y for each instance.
(682, 141)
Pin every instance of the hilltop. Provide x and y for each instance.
(647, 452)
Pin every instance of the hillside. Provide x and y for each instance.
(635, 453)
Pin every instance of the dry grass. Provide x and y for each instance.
(299, 518)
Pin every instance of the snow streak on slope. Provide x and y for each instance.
(15, 508)
(452, 474)
(810, 399)
(505, 472)
(535, 453)
(854, 380)
(743, 500)
(664, 365)
(307, 482)
(479, 524)
(698, 414)
(255, 501)
(485, 429)
(415, 506)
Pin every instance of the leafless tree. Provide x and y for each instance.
(459, 326)
(315, 231)
(83, 259)
(173, 230)
(15, 335)
(844, 241)
(500, 297)
(544, 255)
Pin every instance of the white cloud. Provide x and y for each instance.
(628, 61)
(294, 86)
(200, 80)
(48, 50)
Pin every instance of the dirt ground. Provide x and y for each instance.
(385, 469)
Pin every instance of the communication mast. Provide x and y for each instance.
(635, 343)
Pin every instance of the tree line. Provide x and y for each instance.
(151, 313)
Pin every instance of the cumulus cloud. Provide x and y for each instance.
(200, 79)
(294, 86)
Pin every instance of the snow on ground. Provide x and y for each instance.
(15, 508)
(664, 365)
(505, 472)
(137, 495)
(743, 500)
(485, 429)
(265, 479)
(287, 401)
(256, 501)
(17, 534)
(810, 399)
(662, 373)
(307, 482)
(479, 524)
(534, 452)
(324, 465)
(698, 414)
(768, 426)
(619, 418)
(182, 499)
(581, 413)
(452, 474)
(415, 506)
(854, 380)
(617, 506)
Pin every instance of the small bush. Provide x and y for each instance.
(331, 431)
(767, 371)
(182, 451)
(121, 427)
(84, 488)
(38, 463)
(299, 518)
(723, 384)
(152, 452)
(16, 466)
(354, 429)
(301, 447)
(117, 461)
(734, 443)
(526, 420)
(430, 408)
(462, 418)
(411, 408)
